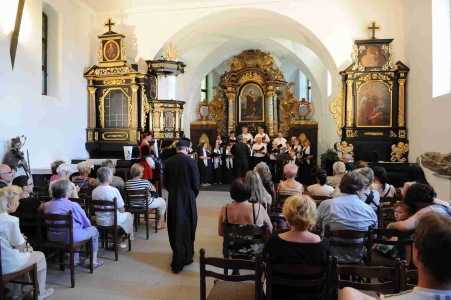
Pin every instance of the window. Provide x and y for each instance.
(44, 53)
(309, 91)
(203, 90)
(116, 109)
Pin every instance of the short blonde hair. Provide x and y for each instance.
(83, 167)
(136, 170)
(300, 211)
(7, 195)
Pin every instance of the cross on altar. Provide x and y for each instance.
(110, 24)
(373, 27)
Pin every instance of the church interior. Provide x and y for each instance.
(87, 80)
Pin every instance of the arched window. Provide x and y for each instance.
(44, 53)
(203, 89)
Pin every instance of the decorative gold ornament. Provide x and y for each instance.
(235, 64)
(373, 133)
(145, 108)
(392, 134)
(349, 119)
(100, 52)
(398, 151)
(402, 134)
(344, 148)
(251, 77)
(336, 108)
(123, 50)
(351, 133)
(89, 135)
(133, 136)
(114, 82)
(288, 107)
(170, 53)
(113, 71)
(218, 110)
(401, 102)
(96, 136)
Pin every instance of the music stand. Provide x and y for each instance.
(283, 158)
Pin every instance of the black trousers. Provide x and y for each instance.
(217, 174)
(258, 160)
(241, 166)
(202, 172)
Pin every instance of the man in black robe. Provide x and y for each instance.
(240, 152)
(182, 181)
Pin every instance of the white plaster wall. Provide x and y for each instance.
(428, 118)
(55, 125)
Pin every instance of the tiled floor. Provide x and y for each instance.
(144, 273)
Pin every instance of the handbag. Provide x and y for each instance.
(154, 194)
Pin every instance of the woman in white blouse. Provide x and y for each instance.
(380, 183)
(15, 256)
(320, 188)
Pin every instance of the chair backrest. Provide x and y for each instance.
(385, 216)
(276, 230)
(322, 198)
(280, 199)
(39, 191)
(259, 235)
(407, 274)
(383, 235)
(350, 237)
(105, 206)
(45, 198)
(386, 202)
(141, 195)
(366, 272)
(59, 223)
(234, 264)
(284, 274)
(276, 217)
(83, 204)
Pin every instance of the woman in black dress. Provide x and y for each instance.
(306, 170)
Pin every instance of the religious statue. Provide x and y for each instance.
(218, 110)
(15, 158)
(344, 148)
(288, 107)
(398, 151)
(437, 162)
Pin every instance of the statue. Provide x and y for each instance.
(288, 107)
(398, 151)
(218, 110)
(437, 162)
(344, 148)
(15, 158)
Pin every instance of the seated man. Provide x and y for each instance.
(116, 181)
(339, 170)
(348, 212)
(6, 175)
(107, 192)
(27, 205)
(430, 254)
(348, 160)
(82, 228)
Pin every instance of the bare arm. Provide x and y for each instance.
(352, 294)
(22, 246)
(267, 220)
(404, 189)
(122, 209)
(221, 221)
(411, 223)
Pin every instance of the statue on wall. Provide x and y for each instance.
(398, 151)
(437, 162)
(15, 158)
(218, 110)
(288, 107)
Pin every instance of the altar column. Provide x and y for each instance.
(92, 107)
(270, 110)
(231, 96)
(134, 104)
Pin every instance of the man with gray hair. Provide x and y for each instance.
(339, 170)
(6, 175)
(116, 181)
(371, 198)
(348, 160)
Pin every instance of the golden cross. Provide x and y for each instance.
(109, 24)
(373, 27)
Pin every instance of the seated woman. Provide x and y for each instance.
(64, 171)
(361, 164)
(298, 246)
(320, 188)
(83, 181)
(137, 183)
(259, 194)
(421, 199)
(55, 166)
(415, 174)
(380, 183)
(81, 225)
(106, 192)
(13, 244)
(339, 170)
(241, 213)
(265, 175)
(290, 186)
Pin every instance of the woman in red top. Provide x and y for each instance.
(145, 155)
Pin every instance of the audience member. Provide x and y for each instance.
(430, 255)
(15, 255)
(155, 202)
(265, 175)
(82, 229)
(339, 170)
(83, 180)
(421, 199)
(320, 188)
(259, 194)
(380, 183)
(348, 160)
(28, 206)
(348, 212)
(55, 166)
(242, 213)
(6, 175)
(64, 171)
(106, 192)
(298, 246)
(290, 186)
(361, 164)
(115, 181)
(415, 174)
(372, 198)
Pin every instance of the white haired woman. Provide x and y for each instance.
(13, 243)
(259, 194)
(64, 171)
(137, 183)
(83, 180)
(339, 171)
(290, 186)
(265, 175)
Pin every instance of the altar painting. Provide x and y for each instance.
(251, 104)
(374, 105)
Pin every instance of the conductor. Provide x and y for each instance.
(182, 180)
(240, 152)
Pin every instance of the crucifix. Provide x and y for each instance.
(373, 27)
(109, 24)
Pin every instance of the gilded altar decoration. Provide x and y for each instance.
(132, 135)
(123, 50)
(250, 77)
(352, 133)
(287, 108)
(218, 110)
(398, 151)
(344, 148)
(235, 64)
(372, 133)
(170, 52)
(100, 52)
(402, 134)
(392, 134)
(89, 135)
(336, 108)
(203, 110)
(114, 82)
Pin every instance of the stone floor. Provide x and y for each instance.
(144, 273)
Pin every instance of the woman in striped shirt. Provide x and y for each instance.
(83, 181)
(137, 183)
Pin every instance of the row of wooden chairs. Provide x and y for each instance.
(329, 277)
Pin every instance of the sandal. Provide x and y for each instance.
(98, 263)
(162, 226)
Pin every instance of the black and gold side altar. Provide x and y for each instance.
(118, 99)
(370, 108)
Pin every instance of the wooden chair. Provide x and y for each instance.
(142, 195)
(231, 284)
(387, 202)
(83, 204)
(321, 198)
(288, 279)
(385, 216)
(406, 276)
(276, 230)
(59, 223)
(383, 236)
(276, 217)
(365, 272)
(29, 220)
(350, 236)
(105, 206)
(45, 198)
(280, 199)
(39, 191)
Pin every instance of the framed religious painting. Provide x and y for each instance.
(153, 87)
(374, 104)
(251, 104)
(111, 50)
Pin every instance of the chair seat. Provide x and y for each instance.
(140, 210)
(223, 290)
(63, 246)
(378, 259)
